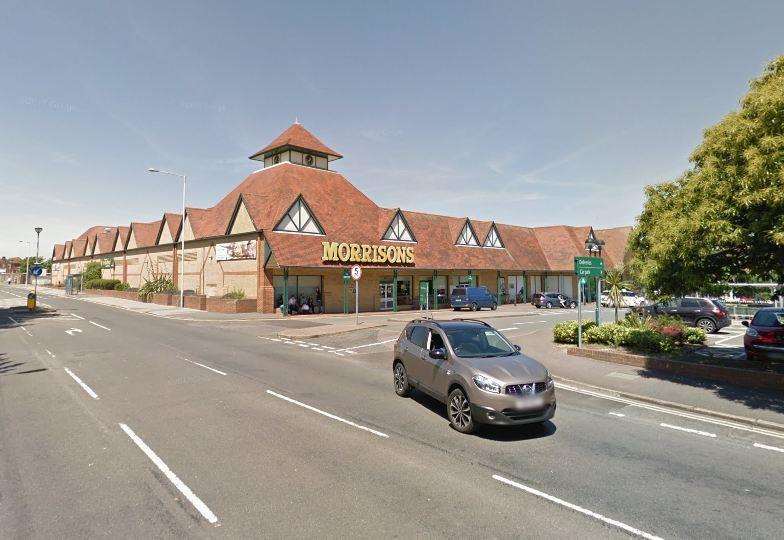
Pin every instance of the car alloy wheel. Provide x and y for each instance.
(402, 386)
(549, 305)
(474, 307)
(573, 305)
(459, 412)
(707, 325)
(494, 306)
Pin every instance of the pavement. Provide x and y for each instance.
(115, 422)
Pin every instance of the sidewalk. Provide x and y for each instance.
(723, 398)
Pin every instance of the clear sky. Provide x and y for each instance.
(531, 113)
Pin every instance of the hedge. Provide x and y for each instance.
(106, 284)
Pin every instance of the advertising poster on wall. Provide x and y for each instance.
(233, 251)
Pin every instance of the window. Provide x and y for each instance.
(419, 336)
(299, 219)
(492, 239)
(398, 230)
(467, 236)
(768, 318)
(690, 303)
(476, 341)
(436, 341)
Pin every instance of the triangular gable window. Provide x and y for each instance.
(398, 230)
(492, 239)
(467, 236)
(299, 219)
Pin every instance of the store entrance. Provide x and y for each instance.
(385, 294)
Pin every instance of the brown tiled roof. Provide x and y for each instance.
(172, 221)
(58, 252)
(615, 240)
(560, 244)
(296, 135)
(68, 248)
(106, 240)
(123, 232)
(145, 233)
(79, 246)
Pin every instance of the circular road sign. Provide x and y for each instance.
(37, 270)
(356, 272)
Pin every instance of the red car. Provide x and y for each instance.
(764, 339)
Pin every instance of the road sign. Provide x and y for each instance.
(424, 295)
(37, 270)
(346, 276)
(356, 272)
(588, 266)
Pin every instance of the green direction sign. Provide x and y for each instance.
(588, 266)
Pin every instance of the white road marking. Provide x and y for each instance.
(339, 354)
(766, 447)
(722, 340)
(71, 331)
(274, 339)
(528, 322)
(576, 508)
(185, 490)
(77, 316)
(619, 415)
(100, 326)
(349, 349)
(305, 345)
(327, 347)
(50, 353)
(205, 367)
(328, 415)
(510, 328)
(683, 414)
(80, 383)
(289, 343)
(316, 349)
(689, 430)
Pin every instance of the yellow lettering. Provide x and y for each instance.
(330, 251)
(382, 254)
(401, 254)
(355, 255)
(410, 255)
(391, 255)
(366, 253)
(344, 252)
(375, 254)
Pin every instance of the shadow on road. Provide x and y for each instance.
(19, 316)
(8, 366)
(494, 433)
(770, 400)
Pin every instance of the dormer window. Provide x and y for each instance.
(299, 219)
(492, 239)
(467, 236)
(398, 230)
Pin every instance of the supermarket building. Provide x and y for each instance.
(293, 228)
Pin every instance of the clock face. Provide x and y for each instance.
(276, 159)
(309, 160)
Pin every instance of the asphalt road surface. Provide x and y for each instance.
(115, 423)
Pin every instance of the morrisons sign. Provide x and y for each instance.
(364, 253)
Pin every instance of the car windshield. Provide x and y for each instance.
(769, 319)
(478, 341)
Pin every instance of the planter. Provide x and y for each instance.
(227, 305)
(196, 301)
(749, 378)
(164, 299)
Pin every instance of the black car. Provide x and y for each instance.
(706, 313)
(552, 300)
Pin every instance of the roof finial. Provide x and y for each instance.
(296, 119)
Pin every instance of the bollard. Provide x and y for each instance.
(31, 301)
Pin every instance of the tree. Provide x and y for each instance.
(723, 219)
(92, 270)
(615, 283)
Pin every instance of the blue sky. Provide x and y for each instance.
(531, 113)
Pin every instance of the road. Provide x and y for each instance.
(118, 423)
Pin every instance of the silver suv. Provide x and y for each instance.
(480, 376)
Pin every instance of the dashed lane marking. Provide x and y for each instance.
(219, 372)
(328, 415)
(619, 415)
(79, 381)
(589, 513)
(100, 326)
(77, 316)
(689, 430)
(766, 447)
(202, 508)
(50, 353)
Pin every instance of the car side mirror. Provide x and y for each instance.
(744, 323)
(438, 354)
(517, 347)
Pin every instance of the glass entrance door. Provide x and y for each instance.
(385, 296)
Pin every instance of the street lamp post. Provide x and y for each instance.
(37, 246)
(182, 231)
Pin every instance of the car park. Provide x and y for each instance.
(553, 300)
(708, 314)
(764, 338)
(479, 375)
(473, 298)
(628, 299)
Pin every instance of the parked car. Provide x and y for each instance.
(553, 299)
(629, 299)
(706, 313)
(473, 298)
(764, 339)
(479, 375)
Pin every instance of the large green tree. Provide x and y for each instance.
(723, 219)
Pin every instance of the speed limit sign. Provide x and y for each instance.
(356, 272)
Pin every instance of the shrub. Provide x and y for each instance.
(566, 331)
(695, 336)
(92, 271)
(105, 284)
(235, 294)
(607, 334)
(649, 340)
(161, 284)
(121, 286)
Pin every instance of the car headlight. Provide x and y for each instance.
(752, 332)
(487, 384)
(549, 381)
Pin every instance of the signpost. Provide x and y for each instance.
(424, 295)
(586, 267)
(356, 273)
(346, 281)
(580, 312)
